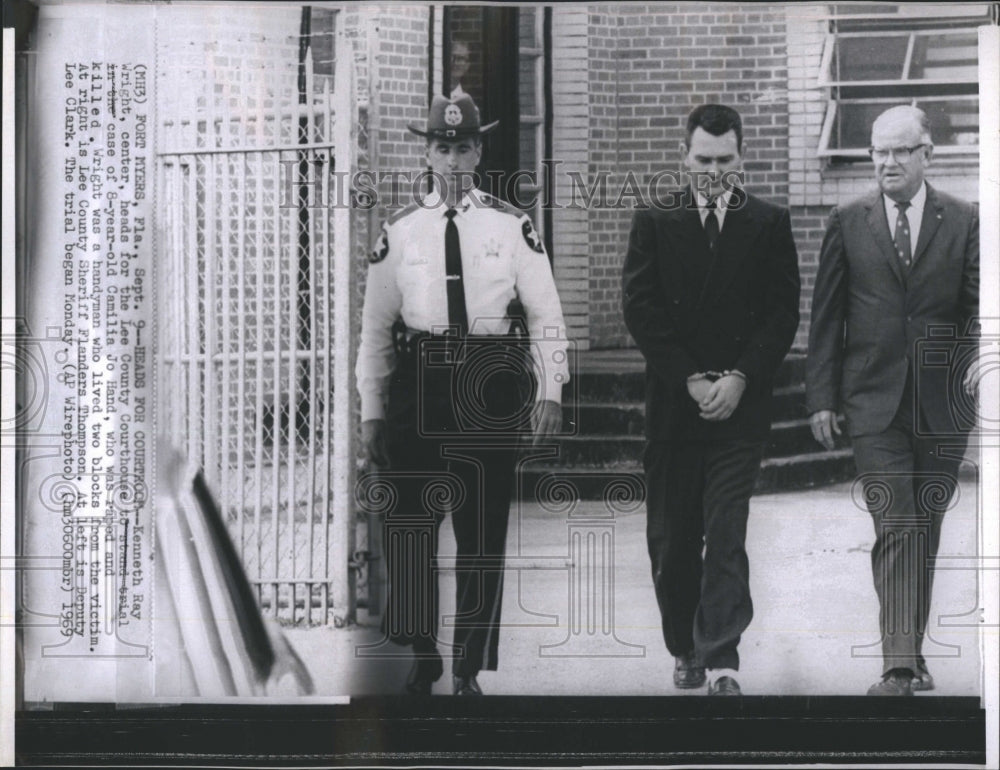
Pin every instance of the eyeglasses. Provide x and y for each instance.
(901, 154)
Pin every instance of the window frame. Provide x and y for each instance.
(929, 21)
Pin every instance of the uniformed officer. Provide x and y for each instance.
(447, 389)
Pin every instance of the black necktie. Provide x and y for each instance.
(711, 224)
(902, 235)
(457, 316)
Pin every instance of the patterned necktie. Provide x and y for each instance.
(711, 224)
(457, 316)
(902, 235)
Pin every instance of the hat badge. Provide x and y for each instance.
(452, 115)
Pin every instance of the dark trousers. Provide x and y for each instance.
(698, 502)
(907, 488)
(454, 418)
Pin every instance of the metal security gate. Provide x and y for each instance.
(253, 319)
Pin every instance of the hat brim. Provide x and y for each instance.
(454, 133)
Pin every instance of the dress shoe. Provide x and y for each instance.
(922, 681)
(466, 685)
(724, 685)
(687, 673)
(423, 673)
(895, 683)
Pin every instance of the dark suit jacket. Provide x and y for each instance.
(869, 320)
(690, 312)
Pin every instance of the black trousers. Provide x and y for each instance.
(455, 416)
(908, 484)
(698, 503)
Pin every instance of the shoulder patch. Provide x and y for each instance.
(381, 248)
(531, 237)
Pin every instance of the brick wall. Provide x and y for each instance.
(572, 226)
(809, 224)
(649, 65)
(399, 70)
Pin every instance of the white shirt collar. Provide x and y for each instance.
(916, 202)
(432, 202)
(721, 201)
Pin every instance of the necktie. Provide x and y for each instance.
(711, 224)
(457, 316)
(902, 235)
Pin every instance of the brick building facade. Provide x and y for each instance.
(621, 80)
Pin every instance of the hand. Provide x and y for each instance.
(546, 420)
(973, 376)
(373, 442)
(824, 426)
(698, 387)
(723, 397)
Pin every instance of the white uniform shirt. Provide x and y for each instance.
(502, 258)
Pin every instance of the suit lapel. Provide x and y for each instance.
(929, 223)
(879, 227)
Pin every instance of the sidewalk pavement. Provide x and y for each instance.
(814, 631)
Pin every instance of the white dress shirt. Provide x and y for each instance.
(914, 215)
(721, 204)
(502, 258)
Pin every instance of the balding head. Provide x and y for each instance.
(903, 117)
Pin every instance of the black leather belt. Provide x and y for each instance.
(406, 341)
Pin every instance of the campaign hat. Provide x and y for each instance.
(453, 119)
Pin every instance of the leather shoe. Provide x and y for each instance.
(724, 685)
(423, 673)
(687, 673)
(466, 685)
(922, 681)
(895, 683)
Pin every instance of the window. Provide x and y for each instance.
(877, 56)
(500, 55)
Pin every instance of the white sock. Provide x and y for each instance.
(714, 674)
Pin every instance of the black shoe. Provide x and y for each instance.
(687, 673)
(423, 673)
(724, 685)
(922, 681)
(896, 682)
(466, 685)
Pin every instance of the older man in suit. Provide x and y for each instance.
(896, 291)
(711, 296)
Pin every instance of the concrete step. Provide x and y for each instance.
(606, 481)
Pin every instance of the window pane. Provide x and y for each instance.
(466, 65)
(869, 58)
(953, 121)
(526, 27)
(528, 153)
(853, 124)
(528, 86)
(945, 57)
